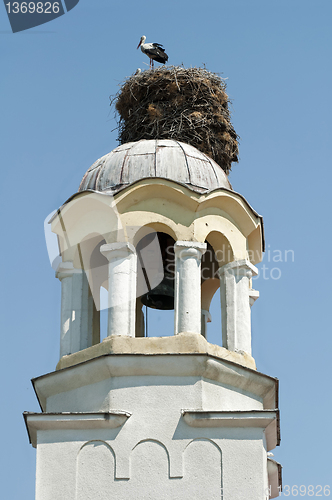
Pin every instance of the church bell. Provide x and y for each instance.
(162, 296)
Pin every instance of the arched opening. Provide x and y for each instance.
(103, 313)
(95, 267)
(218, 253)
(214, 327)
(209, 285)
(155, 284)
(98, 273)
(221, 246)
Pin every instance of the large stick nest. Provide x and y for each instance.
(172, 102)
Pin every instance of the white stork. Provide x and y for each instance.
(154, 51)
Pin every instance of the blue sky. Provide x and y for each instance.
(55, 122)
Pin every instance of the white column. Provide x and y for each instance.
(86, 314)
(122, 270)
(187, 300)
(235, 304)
(76, 309)
(206, 318)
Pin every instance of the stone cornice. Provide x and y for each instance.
(60, 421)
(265, 419)
(176, 365)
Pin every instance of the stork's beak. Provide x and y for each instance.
(138, 46)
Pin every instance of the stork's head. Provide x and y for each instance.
(142, 40)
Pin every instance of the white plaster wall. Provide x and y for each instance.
(155, 454)
(93, 397)
(87, 465)
(222, 397)
(129, 393)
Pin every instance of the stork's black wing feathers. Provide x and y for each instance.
(158, 46)
(157, 54)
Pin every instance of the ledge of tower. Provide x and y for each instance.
(183, 343)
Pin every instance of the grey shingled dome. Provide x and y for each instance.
(166, 159)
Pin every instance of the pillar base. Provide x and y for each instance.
(183, 343)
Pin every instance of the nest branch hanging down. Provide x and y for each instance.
(171, 102)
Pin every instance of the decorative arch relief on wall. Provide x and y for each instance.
(150, 470)
(202, 469)
(95, 471)
(196, 475)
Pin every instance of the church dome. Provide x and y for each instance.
(166, 159)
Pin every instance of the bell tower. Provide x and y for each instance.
(156, 223)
